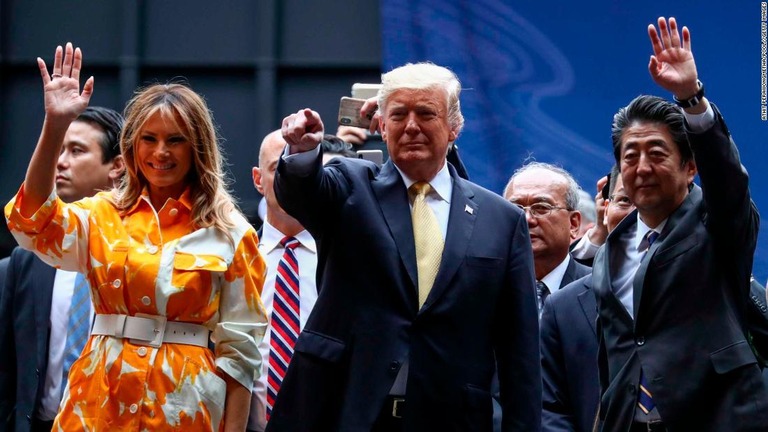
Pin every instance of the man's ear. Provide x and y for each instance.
(256, 174)
(691, 170)
(575, 220)
(452, 136)
(118, 168)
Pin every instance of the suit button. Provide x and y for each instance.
(29, 418)
(632, 389)
(37, 372)
(394, 365)
(640, 341)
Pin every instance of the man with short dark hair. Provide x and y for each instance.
(571, 389)
(409, 337)
(672, 280)
(36, 307)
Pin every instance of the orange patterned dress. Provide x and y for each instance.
(157, 263)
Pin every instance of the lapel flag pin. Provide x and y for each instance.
(469, 209)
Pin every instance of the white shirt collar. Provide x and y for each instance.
(554, 278)
(441, 183)
(642, 231)
(271, 236)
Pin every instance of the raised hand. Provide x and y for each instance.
(303, 131)
(63, 99)
(672, 66)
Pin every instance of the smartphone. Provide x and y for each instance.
(375, 156)
(349, 113)
(365, 91)
(606, 192)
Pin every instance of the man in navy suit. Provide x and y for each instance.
(569, 340)
(35, 301)
(549, 195)
(381, 351)
(672, 280)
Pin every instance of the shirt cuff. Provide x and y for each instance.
(300, 164)
(584, 249)
(698, 123)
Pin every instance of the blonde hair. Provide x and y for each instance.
(420, 76)
(212, 204)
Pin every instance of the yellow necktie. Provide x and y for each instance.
(427, 237)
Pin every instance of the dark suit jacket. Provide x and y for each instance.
(25, 309)
(690, 294)
(573, 272)
(481, 311)
(569, 358)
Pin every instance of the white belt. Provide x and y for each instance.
(151, 330)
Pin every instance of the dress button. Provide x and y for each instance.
(142, 352)
(134, 408)
(640, 341)
(173, 212)
(152, 249)
(146, 301)
(116, 283)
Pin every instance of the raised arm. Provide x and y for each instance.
(672, 66)
(63, 103)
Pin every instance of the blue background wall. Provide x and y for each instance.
(542, 80)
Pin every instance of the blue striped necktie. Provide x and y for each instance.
(645, 398)
(285, 320)
(77, 328)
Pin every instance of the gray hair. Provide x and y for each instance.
(420, 76)
(571, 195)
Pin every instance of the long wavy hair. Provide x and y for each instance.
(212, 204)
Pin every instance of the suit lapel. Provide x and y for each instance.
(601, 271)
(461, 222)
(393, 200)
(40, 281)
(588, 305)
(693, 197)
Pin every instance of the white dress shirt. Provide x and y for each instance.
(554, 279)
(306, 254)
(63, 288)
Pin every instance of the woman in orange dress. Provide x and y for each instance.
(169, 258)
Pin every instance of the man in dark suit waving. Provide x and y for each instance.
(672, 280)
(426, 280)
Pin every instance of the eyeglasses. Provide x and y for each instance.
(540, 209)
(621, 201)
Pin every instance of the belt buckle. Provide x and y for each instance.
(158, 331)
(396, 407)
(651, 426)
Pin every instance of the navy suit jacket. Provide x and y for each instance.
(25, 309)
(689, 298)
(569, 358)
(480, 313)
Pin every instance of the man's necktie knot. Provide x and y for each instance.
(289, 242)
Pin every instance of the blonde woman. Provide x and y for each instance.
(169, 258)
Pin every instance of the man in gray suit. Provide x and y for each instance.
(672, 280)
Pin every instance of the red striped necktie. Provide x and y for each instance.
(285, 319)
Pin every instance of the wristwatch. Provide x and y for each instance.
(693, 100)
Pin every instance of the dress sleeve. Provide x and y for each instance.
(56, 232)
(242, 318)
